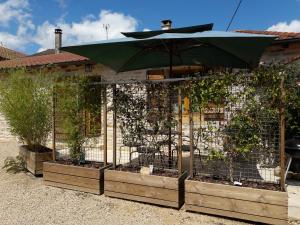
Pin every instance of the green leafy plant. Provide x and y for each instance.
(70, 104)
(25, 101)
(252, 102)
(74, 97)
(14, 165)
(143, 109)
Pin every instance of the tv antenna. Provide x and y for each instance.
(106, 28)
(233, 16)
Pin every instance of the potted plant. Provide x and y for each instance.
(144, 119)
(25, 101)
(73, 100)
(234, 146)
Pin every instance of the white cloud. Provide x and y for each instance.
(12, 41)
(89, 29)
(293, 26)
(15, 11)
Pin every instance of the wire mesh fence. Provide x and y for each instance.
(147, 118)
(235, 130)
(220, 127)
(78, 117)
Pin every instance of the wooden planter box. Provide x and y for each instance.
(34, 160)
(90, 180)
(159, 190)
(257, 205)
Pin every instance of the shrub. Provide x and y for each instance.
(25, 101)
(14, 165)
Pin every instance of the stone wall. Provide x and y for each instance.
(4, 130)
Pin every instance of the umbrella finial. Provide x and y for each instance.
(166, 24)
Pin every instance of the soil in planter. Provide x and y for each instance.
(156, 171)
(37, 148)
(245, 183)
(87, 164)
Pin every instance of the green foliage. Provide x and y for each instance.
(269, 78)
(213, 89)
(14, 165)
(74, 97)
(142, 107)
(253, 102)
(25, 101)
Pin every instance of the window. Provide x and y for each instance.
(88, 68)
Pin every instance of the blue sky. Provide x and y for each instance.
(27, 25)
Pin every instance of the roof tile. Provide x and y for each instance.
(40, 60)
(281, 35)
(10, 54)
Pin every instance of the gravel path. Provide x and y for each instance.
(25, 200)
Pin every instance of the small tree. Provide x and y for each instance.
(25, 102)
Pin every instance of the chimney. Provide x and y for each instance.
(58, 38)
(166, 24)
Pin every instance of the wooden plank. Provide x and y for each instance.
(71, 180)
(137, 178)
(242, 193)
(72, 170)
(140, 190)
(238, 215)
(44, 157)
(141, 199)
(234, 205)
(72, 187)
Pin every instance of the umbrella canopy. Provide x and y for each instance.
(208, 48)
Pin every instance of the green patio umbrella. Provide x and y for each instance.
(208, 48)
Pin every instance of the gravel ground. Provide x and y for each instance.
(25, 200)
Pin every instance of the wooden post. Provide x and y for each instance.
(105, 125)
(170, 128)
(170, 109)
(114, 127)
(191, 124)
(282, 134)
(179, 159)
(53, 124)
